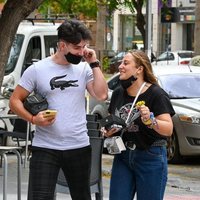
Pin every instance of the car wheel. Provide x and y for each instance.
(173, 153)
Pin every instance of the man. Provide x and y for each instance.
(61, 141)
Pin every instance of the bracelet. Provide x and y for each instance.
(32, 119)
(148, 122)
(153, 121)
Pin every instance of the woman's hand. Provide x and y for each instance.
(110, 132)
(144, 112)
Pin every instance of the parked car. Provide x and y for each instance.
(174, 58)
(116, 61)
(184, 92)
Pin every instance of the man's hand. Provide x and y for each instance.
(41, 120)
(89, 55)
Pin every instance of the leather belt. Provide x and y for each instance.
(159, 143)
(131, 145)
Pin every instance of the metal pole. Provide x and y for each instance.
(148, 28)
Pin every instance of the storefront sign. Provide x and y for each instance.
(186, 14)
(178, 14)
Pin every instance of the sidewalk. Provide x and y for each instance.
(173, 190)
(12, 179)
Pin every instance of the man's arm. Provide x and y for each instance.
(97, 88)
(16, 105)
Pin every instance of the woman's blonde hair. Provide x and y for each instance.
(141, 59)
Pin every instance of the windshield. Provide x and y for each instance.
(14, 53)
(181, 85)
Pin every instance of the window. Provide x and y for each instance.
(33, 52)
(50, 44)
(181, 86)
(14, 53)
(166, 56)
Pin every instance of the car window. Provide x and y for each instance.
(166, 56)
(121, 54)
(33, 52)
(185, 54)
(50, 44)
(114, 83)
(181, 86)
(14, 53)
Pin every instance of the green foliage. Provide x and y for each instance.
(86, 7)
(106, 64)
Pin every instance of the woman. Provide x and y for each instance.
(142, 168)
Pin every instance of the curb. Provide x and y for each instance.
(107, 164)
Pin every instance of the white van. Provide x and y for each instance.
(33, 41)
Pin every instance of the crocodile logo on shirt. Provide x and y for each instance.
(62, 84)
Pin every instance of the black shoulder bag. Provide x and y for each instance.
(35, 103)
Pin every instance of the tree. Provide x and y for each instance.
(12, 14)
(101, 25)
(87, 8)
(98, 10)
(197, 29)
(135, 6)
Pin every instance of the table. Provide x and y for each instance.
(3, 151)
(13, 116)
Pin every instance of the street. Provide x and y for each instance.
(184, 181)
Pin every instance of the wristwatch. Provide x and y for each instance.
(95, 64)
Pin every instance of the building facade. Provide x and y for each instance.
(175, 33)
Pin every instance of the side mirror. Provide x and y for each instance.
(6, 92)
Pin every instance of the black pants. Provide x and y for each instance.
(44, 168)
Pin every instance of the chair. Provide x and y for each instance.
(91, 117)
(18, 134)
(94, 133)
(96, 171)
(93, 125)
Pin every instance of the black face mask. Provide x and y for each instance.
(128, 82)
(74, 59)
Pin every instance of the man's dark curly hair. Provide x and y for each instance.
(73, 31)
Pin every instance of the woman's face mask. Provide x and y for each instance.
(128, 82)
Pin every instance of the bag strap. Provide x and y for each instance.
(137, 95)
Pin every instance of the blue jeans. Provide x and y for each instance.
(140, 172)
